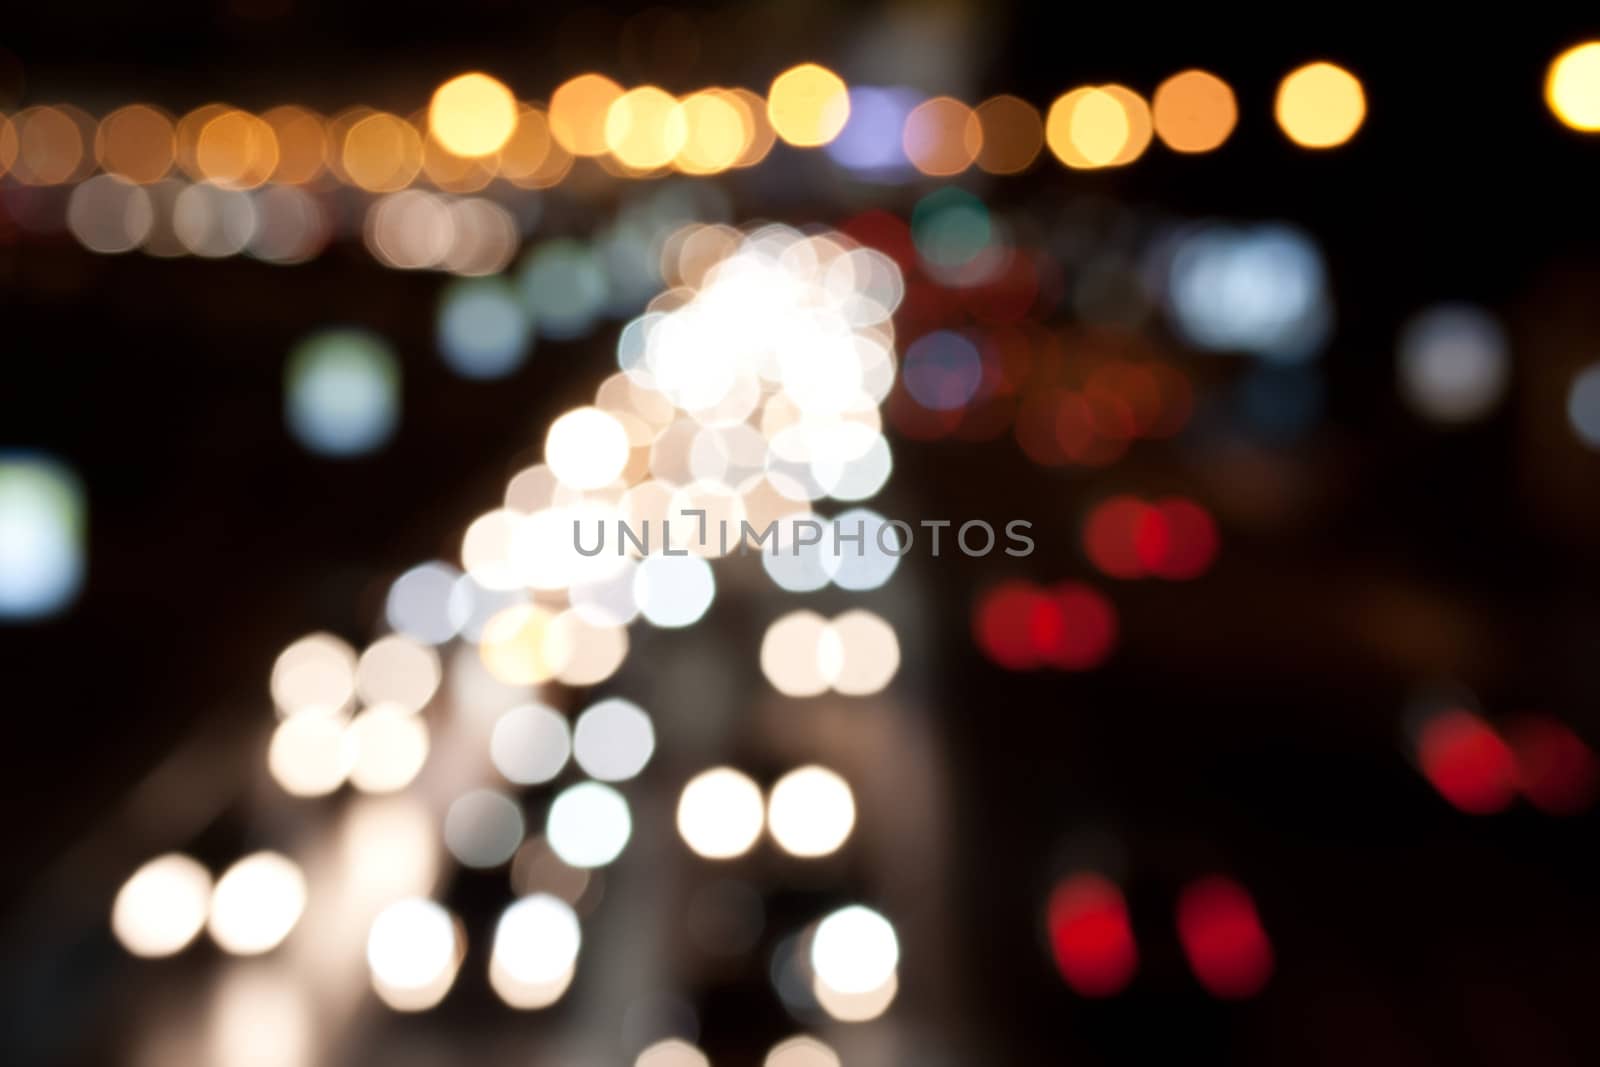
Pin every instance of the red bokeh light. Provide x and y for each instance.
(1178, 540)
(1223, 939)
(1127, 538)
(1083, 629)
(1556, 770)
(1090, 935)
(1008, 623)
(1467, 762)
(1020, 626)
(1111, 536)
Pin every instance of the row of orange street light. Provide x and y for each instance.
(475, 130)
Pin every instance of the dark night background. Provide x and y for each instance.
(1252, 721)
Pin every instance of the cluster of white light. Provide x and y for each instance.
(804, 654)
(418, 230)
(748, 391)
(279, 224)
(810, 813)
(165, 904)
(319, 745)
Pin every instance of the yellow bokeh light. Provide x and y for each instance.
(1137, 115)
(1013, 134)
(942, 136)
(302, 143)
(237, 150)
(717, 130)
(1087, 140)
(1098, 128)
(808, 105)
(1194, 111)
(514, 646)
(382, 153)
(136, 143)
(762, 135)
(1320, 105)
(645, 129)
(578, 113)
(1572, 88)
(472, 115)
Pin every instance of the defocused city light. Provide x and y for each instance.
(1194, 111)
(855, 950)
(1453, 363)
(256, 903)
(1320, 105)
(472, 115)
(1223, 939)
(589, 824)
(1572, 88)
(42, 536)
(162, 906)
(811, 812)
(720, 813)
(342, 392)
(578, 113)
(1091, 935)
(808, 105)
(414, 947)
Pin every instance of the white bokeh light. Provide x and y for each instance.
(42, 531)
(855, 950)
(589, 825)
(162, 906)
(586, 448)
(256, 903)
(391, 745)
(720, 813)
(537, 939)
(791, 654)
(613, 740)
(311, 754)
(483, 828)
(801, 1051)
(673, 591)
(413, 950)
(1454, 363)
(811, 812)
(396, 669)
(530, 744)
(418, 604)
